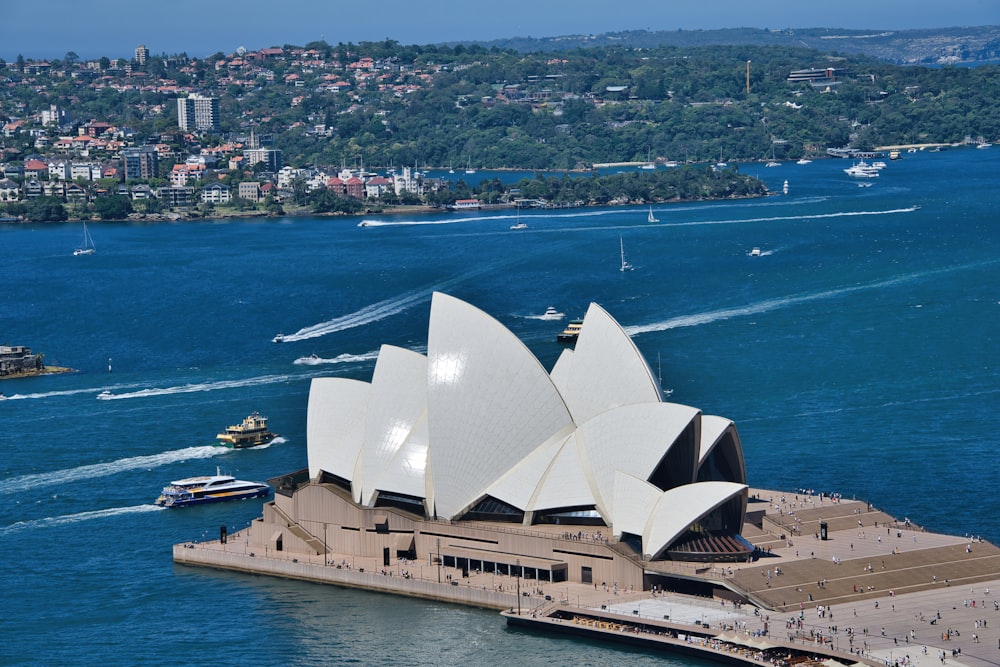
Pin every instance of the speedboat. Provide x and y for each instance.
(754, 253)
(104, 395)
(803, 161)
(280, 338)
(253, 432)
(210, 489)
(552, 314)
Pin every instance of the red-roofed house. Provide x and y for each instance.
(35, 169)
(355, 187)
(376, 186)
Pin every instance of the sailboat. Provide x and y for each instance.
(659, 376)
(625, 265)
(88, 244)
(519, 224)
(652, 218)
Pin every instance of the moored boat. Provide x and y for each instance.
(252, 432)
(210, 489)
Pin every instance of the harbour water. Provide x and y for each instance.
(858, 354)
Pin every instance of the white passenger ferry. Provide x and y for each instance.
(210, 489)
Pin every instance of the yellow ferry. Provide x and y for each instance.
(253, 432)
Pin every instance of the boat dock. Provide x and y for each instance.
(875, 591)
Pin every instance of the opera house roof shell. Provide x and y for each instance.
(479, 429)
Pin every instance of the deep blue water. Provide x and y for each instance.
(858, 355)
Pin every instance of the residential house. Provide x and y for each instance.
(32, 189)
(35, 169)
(9, 190)
(249, 190)
(216, 193)
(175, 197)
(376, 186)
(59, 171)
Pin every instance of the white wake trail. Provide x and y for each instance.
(76, 518)
(385, 308)
(339, 359)
(784, 302)
(61, 477)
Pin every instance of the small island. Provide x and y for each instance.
(19, 361)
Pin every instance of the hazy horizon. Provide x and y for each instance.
(103, 28)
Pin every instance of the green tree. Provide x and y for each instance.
(115, 207)
(45, 209)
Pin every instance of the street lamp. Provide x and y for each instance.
(518, 586)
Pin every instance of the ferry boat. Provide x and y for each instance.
(571, 332)
(210, 489)
(253, 432)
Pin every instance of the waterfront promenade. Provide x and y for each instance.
(879, 595)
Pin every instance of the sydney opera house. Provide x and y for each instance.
(476, 457)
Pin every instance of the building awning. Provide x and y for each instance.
(380, 519)
(403, 542)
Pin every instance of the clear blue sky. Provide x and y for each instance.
(94, 28)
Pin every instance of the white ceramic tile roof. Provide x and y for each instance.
(335, 425)
(490, 402)
(712, 429)
(632, 439)
(566, 483)
(397, 401)
(678, 508)
(519, 484)
(480, 416)
(607, 369)
(634, 502)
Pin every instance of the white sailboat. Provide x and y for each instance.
(652, 218)
(88, 247)
(625, 265)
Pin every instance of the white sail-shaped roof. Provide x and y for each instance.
(398, 399)
(565, 483)
(479, 416)
(634, 502)
(607, 369)
(678, 508)
(490, 402)
(712, 428)
(519, 484)
(632, 439)
(335, 425)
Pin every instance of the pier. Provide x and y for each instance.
(837, 580)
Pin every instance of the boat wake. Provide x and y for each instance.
(779, 218)
(68, 476)
(386, 308)
(277, 441)
(784, 302)
(76, 518)
(200, 386)
(314, 360)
